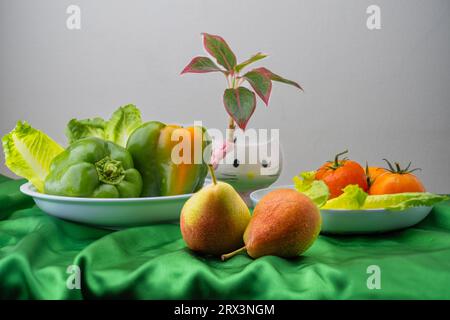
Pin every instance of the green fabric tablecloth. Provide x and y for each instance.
(153, 263)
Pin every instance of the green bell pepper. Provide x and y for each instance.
(93, 168)
(170, 158)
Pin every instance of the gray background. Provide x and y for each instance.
(382, 93)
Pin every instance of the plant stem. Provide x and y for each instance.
(232, 254)
(228, 77)
(239, 82)
(231, 127)
(231, 123)
(213, 175)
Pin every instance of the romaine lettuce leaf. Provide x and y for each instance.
(29, 152)
(401, 201)
(353, 198)
(122, 123)
(79, 129)
(316, 190)
(117, 129)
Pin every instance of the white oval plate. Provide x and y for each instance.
(109, 213)
(360, 221)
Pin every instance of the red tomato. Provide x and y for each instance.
(338, 174)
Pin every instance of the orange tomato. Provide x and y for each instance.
(372, 173)
(338, 174)
(396, 180)
(375, 172)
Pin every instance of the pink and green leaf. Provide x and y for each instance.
(240, 104)
(252, 59)
(219, 49)
(261, 83)
(274, 77)
(201, 65)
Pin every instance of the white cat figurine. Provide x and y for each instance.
(252, 163)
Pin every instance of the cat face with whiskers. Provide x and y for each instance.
(250, 165)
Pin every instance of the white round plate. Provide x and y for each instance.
(360, 221)
(116, 213)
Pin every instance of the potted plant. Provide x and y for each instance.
(240, 103)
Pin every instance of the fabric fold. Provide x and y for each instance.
(152, 262)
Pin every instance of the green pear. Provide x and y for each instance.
(214, 219)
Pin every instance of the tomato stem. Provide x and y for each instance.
(398, 169)
(336, 158)
(337, 163)
(369, 181)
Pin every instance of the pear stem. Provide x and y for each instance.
(232, 254)
(213, 175)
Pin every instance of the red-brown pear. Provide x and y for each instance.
(285, 223)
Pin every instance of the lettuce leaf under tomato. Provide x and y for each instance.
(401, 201)
(316, 190)
(117, 129)
(353, 198)
(29, 152)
